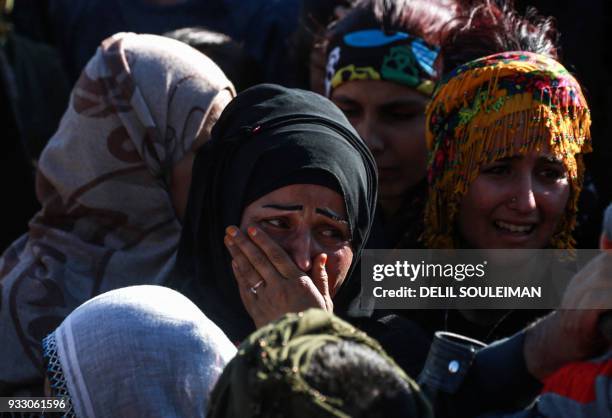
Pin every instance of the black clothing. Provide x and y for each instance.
(76, 28)
(33, 96)
(267, 137)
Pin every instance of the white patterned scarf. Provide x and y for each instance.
(107, 219)
(139, 351)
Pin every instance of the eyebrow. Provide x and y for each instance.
(330, 214)
(292, 208)
(345, 100)
(322, 211)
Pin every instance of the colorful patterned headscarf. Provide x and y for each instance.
(266, 378)
(474, 115)
(373, 54)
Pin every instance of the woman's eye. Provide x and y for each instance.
(331, 233)
(276, 223)
(399, 116)
(334, 233)
(497, 170)
(553, 173)
(350, 112)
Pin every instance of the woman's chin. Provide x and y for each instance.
(508, 248)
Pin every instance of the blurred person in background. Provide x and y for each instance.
(237, 64)
(262, 27)
(33, 96)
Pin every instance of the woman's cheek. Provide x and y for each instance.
(555, 197)
(337, 267)
(180, 182)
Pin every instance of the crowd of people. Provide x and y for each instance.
(194, 245)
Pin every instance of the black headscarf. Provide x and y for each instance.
(268, 137)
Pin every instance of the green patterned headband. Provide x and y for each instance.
(373, 54)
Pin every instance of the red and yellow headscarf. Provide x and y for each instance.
(475, 115)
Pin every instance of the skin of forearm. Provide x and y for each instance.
(560, 338)
(541, 361)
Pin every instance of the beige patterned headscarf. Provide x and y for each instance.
(107, 219)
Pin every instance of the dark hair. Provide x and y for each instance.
(422, 18)
(237, 64)
(367, 382)
(314, 17)
(485, 28)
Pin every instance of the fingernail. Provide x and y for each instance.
(323, 259)
(229, 241)
(252, 231)
(232, 231)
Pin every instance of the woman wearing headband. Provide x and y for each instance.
(381, 71)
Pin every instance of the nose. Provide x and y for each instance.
(523, 199)
(302, 248)
(370, 133)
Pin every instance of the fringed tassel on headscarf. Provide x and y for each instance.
(497, 109)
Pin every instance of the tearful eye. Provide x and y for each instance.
(331, 233)
(275, 222)
(335, 234)
(553, 173)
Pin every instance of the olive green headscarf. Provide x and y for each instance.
(266, 378)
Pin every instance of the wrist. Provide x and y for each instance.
(545, 347)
